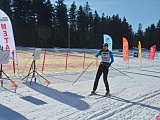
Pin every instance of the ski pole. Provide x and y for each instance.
(84, 71)
(122, 72)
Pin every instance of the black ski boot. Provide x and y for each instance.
(93, 92)
(107, 93)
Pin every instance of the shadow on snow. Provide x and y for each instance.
(8, 114)
(67, 98)
(33, 100)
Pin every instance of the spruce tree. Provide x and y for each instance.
(72, 24)
(5, 5)
(81, 18)
(61, 20)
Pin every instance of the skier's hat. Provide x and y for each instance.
(105, 44)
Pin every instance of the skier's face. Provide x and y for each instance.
(105, 47)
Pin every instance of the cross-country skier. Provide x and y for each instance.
(107, 60)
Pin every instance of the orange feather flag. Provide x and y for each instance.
(125, 49)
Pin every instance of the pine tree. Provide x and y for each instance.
(97, 31)
(61, 20)
(72, 24)
(87, 11)
(140, 32)
(5, 5)
(158, 35)
(127, 32)
(150, 36)
(103, 23)
(88, 23)
(20, 19)
(115, 31)
(45, 22)
(81, 18)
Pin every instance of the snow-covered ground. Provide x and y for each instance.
(131, 99)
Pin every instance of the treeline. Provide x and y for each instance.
(39, 23)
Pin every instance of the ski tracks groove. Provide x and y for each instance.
(128, 104)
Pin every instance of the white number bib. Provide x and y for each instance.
(105, 57)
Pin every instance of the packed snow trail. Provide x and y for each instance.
(131, 99)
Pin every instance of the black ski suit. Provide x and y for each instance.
(107, 60)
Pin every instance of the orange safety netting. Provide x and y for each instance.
(54, 61)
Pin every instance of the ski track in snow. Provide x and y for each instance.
(127, 105)
(100, 112)
(130, 99)
(103, 111)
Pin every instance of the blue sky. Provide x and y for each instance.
(145, 12)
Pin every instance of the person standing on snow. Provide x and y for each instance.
(107, 60)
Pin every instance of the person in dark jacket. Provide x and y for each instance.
(107, 60)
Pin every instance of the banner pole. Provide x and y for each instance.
(84, 60)
(66, 61)
(1, 76)
(44, 58)
(14, 69)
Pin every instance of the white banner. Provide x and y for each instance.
(6, 35)
(37, 53)
(4, 56)
(108, 39)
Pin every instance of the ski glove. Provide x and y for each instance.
(110, 64)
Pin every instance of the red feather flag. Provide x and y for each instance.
(152, 52)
